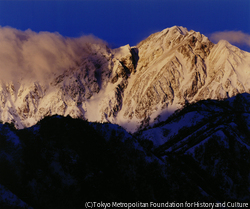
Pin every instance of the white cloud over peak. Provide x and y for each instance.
(37, 55)
(233, 37)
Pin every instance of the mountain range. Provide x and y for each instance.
(166, 120)
(133, 87)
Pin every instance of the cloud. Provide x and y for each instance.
(28, 54)
(233, 37)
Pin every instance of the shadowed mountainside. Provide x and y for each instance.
(63, 162)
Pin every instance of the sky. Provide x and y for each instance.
(121, 22)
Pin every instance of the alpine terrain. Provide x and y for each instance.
(165, 121)
(130, 86)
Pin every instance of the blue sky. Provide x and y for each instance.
(121, 22)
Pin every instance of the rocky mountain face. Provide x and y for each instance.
(101, 72)
(186, 100)
(176, 67)
(131, 86)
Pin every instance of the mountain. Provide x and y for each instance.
(212, 138)
(166, 121)
(205, 115)
(63, 163)
(200, 153)
(134, 87)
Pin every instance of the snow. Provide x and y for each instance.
(225, 63)
(151, 74)
(131, 125)
(94, 104)
(29, 121)
(11, 136)
(122, 51)
(11, 199)
(157, 134)
(239, 140)
(161, 115)
(244, 72)
(218, 133)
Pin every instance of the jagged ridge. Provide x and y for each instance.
(131, 86)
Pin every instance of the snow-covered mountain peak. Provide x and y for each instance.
(181, 29)
(122, 51)
(224, 46)
(131, 86)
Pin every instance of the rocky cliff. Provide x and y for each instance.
(130, 86)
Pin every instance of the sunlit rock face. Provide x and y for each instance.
(131, 86)
(177, 66)
(170, 71)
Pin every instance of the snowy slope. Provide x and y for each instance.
(192, 126)
(10, 200)
(133, 87)
(62, 162)
(211, 138)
